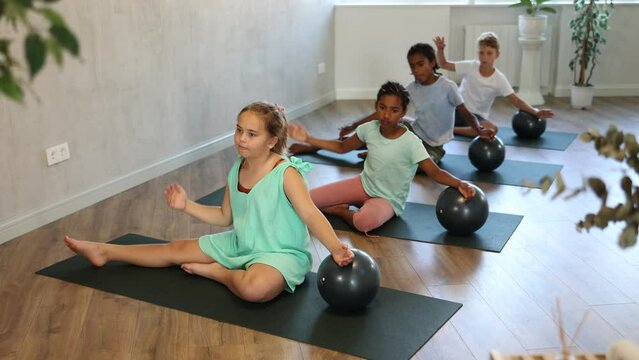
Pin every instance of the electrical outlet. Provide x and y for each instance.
(321, 68)
(58, 153)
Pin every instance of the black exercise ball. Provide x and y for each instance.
(351, 287)
(527, 125)
(460, 216)
(486, 155)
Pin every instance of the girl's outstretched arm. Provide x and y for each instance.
(177, 199)
(484, 132)
(445, 178)
(345, 130)
(299, 133)
(298, 195)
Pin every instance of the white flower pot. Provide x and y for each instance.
(581, 96)
(532, 26)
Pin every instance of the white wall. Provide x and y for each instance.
(159, 86)
(371, 42)
(363, 31)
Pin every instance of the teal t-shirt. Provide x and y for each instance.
(266, 228)
(390, 164)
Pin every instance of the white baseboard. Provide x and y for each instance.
(294, 112)
(602, 90)
(22, 224)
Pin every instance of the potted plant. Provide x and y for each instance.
(587, 28)
(532, 24)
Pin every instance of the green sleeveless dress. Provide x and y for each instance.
(266, 228)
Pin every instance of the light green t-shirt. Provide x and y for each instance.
(390, 164)
(266, 228)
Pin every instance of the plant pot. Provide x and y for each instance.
(532, 26)
(581, 96)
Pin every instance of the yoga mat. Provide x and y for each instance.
(551, 140)
(394, 326)
(511, 172)
(419, 223)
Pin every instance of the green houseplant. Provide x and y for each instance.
(42, 30)
(534, 7)
(532, 24)
(587, 29)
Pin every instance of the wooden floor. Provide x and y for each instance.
(508, 297)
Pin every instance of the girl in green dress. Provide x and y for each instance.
(267, 202)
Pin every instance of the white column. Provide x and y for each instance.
(530, 76)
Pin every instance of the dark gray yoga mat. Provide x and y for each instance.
(419, 223)
(394, 326)
(511, 172)
(551, 140)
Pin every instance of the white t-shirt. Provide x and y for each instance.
(435, 110)
(478, 91)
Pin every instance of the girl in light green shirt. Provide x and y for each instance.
(394, 153)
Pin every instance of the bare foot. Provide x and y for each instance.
(89, 250)
(335, 209)
(302, 149)
(362, 155)
(209, 271)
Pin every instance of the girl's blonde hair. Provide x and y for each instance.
(274, 121)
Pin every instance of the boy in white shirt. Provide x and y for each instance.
(482, 83)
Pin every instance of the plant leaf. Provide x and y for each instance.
(51, 15)
(35, 52)
(598, 187)
(55, 50)
(66, 39)
(10, 88)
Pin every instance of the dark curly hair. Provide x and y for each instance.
(397, 89)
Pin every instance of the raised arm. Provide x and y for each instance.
(297, 132)
(445, 178)
(520, 104)
(177, 199)
(345, 130)
(299, 197)
(441, 58)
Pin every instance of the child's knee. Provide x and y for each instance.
(256, 289)
(363, 223)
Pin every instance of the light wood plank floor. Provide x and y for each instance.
(508, 297)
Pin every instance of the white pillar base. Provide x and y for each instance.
(530, 75)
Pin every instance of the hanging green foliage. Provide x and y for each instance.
(46, 33)
(621, 147)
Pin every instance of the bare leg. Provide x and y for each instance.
(260, 283)
(160, 255)
(470, 132)
(302, 149)
(341, 210)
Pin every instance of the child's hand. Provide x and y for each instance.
(176, 196)
(545, 113)
(342, 256)
(486, 133)
(345, 130)
(439, 42)
(466, 190)
(297, 132)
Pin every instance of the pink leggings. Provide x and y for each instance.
(372, 213)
